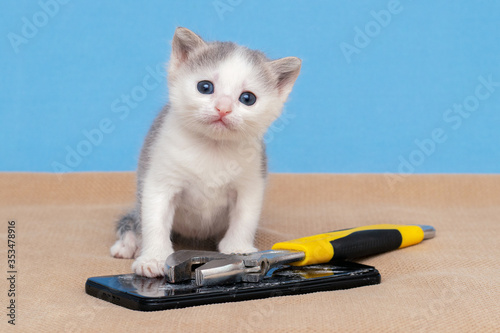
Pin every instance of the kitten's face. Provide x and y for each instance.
(225, 91)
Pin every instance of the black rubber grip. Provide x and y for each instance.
(364, 243)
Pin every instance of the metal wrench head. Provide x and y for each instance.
(234, 268)
(250, 267)
(212, 268)
(180, 266)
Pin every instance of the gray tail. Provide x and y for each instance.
(128, 222)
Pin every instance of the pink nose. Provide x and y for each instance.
(223, 106)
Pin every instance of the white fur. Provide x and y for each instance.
(200, 168)
(125, 247)
(199, 177)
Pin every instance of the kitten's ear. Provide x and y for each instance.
(287, 70)
(184, 42)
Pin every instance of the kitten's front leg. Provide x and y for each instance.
(244, 219)
(156, 224)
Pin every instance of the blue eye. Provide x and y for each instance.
(206, 87)
(248, 98)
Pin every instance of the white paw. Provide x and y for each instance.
(125, 248)
(149, 267)
(230, 247)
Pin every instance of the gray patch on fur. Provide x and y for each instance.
(132, 220)
(148, 143)
(127, 223)
(215, 52)
(211, 55)
(263, 161)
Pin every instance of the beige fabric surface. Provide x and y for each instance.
(64, 228)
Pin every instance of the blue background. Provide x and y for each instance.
(357, 113)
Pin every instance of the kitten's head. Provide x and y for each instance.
(226, 91)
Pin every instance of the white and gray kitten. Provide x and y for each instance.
(202, 168)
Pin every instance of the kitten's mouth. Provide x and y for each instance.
(221, 123)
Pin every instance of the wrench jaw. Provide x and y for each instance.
(217, 271)
(231, 270)
(251, 267)
(181, 265)
(210, 268)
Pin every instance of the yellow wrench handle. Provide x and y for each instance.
(355, 242)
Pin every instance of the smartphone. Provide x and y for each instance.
(152, 294)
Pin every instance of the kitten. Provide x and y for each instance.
(202, 168)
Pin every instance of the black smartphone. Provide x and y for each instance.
(153, 294)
